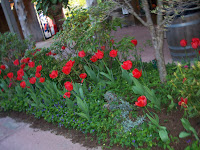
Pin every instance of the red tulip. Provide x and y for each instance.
(23, 84)
(183, 43)
(39, 68)
(66, 70)
(113, 53)
(32, 80)
(136, 73)
(134, 42)
(10, 75)
(127, 65)
(16, 62)
(42, 80)
(19, 78)
(37, 75)
(94, 58)
(3, 67)
(83, 75)
(99, 54)
(194, 45)
(70, 63)
(141, 101)
(31, 64)
(183, 102)
(63, 47)
(20, 72)
(54, 74)
(67, 94)
(22, 66)
(81, 53)
(68, 85)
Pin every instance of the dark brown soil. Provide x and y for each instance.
(170, 120)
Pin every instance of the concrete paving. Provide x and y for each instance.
(19, 136)
(140, 33)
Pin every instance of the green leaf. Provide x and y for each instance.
(186, 123)
(82, 105)
(83, 115)
(107, 76)
(163, 135)
(126, 76)
(91, 73)
(70, 104)
(184, 134)
(81, 92)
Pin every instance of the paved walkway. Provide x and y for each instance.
(140, 33)
(19, 136)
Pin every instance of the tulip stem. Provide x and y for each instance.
(87, 62)
(71, 79)
(76, 73)
(149, 113)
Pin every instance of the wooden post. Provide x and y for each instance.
(22, 15)
(12, 24)
(28, 20)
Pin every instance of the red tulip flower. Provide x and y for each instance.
(82, 76)
(31, 64)
(32, 80)
(67, 94)
(141, 101)
(81, 53)
(134, 42)
(93, 58)
(99, 54)
(19, 78)
(22, 66)
(113, 53)
(63, 47)
(42, 80)
(183, 102)
(23, 84)
(66, 70)
(68, 85)
(127, 65)
(194, 45)
(16, 62)
(10, 75)
(183, 43)
(39, 68)
(0, 72)
(136, 73)
(54, 74)
(20, 72)
(3, 67)
(70, 63)
(37, 75)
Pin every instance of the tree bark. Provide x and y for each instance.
(22, 15)
(157, 35)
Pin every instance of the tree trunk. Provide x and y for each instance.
(157, 35)
(22, 15)
(56, 13)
